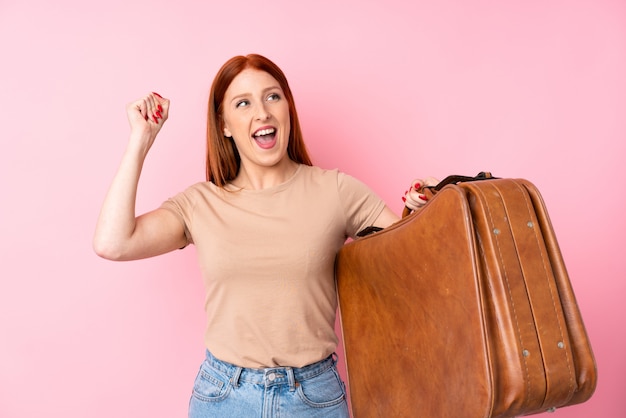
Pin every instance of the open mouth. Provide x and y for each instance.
(265, 137)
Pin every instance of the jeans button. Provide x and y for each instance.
(271, 377)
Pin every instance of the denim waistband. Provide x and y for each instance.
(271, 375)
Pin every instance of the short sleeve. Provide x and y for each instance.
(359, 203)
(181, 206)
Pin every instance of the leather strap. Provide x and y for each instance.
(430, 191)
(455, 179)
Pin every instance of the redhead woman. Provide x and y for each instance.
(267, 226)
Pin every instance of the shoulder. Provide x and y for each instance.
(315, 171)
(319, 175)
(334, 178)
(201, 191)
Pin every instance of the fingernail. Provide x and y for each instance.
(155, 119)
(157, 94)
(158, 115)
(403, 199)
(423, 197)
(417, 186)
(160, 108)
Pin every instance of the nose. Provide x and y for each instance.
(262, 112)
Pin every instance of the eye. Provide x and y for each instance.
(242, 103)
(273, 97)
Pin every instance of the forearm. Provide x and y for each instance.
(117, 220)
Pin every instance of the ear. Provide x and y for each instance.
(222, 124)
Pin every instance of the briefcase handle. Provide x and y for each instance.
(430, 191)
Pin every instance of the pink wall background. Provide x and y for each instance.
(386, 90)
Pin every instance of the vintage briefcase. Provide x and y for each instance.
(463, 309)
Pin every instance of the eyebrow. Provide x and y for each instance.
(265, 90)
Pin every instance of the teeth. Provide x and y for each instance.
(265, 132)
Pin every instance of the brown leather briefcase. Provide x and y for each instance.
(463, 309)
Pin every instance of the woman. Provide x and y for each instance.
(267, 226)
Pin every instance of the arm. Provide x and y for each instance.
(120, 235)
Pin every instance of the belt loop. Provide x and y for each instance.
(291, 378)
(234, 381)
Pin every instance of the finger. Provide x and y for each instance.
(431, 181)
(162, 105)
(414, 200)
(153, 115)
(413, 206)
(420, 184)
(417, 184)
(417, 197)
(150, 108)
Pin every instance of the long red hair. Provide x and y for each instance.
(222, 160)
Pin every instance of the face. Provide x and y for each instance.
(256, 116)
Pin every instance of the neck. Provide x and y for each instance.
(259, 178)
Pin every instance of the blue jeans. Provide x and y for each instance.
(227, 391)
